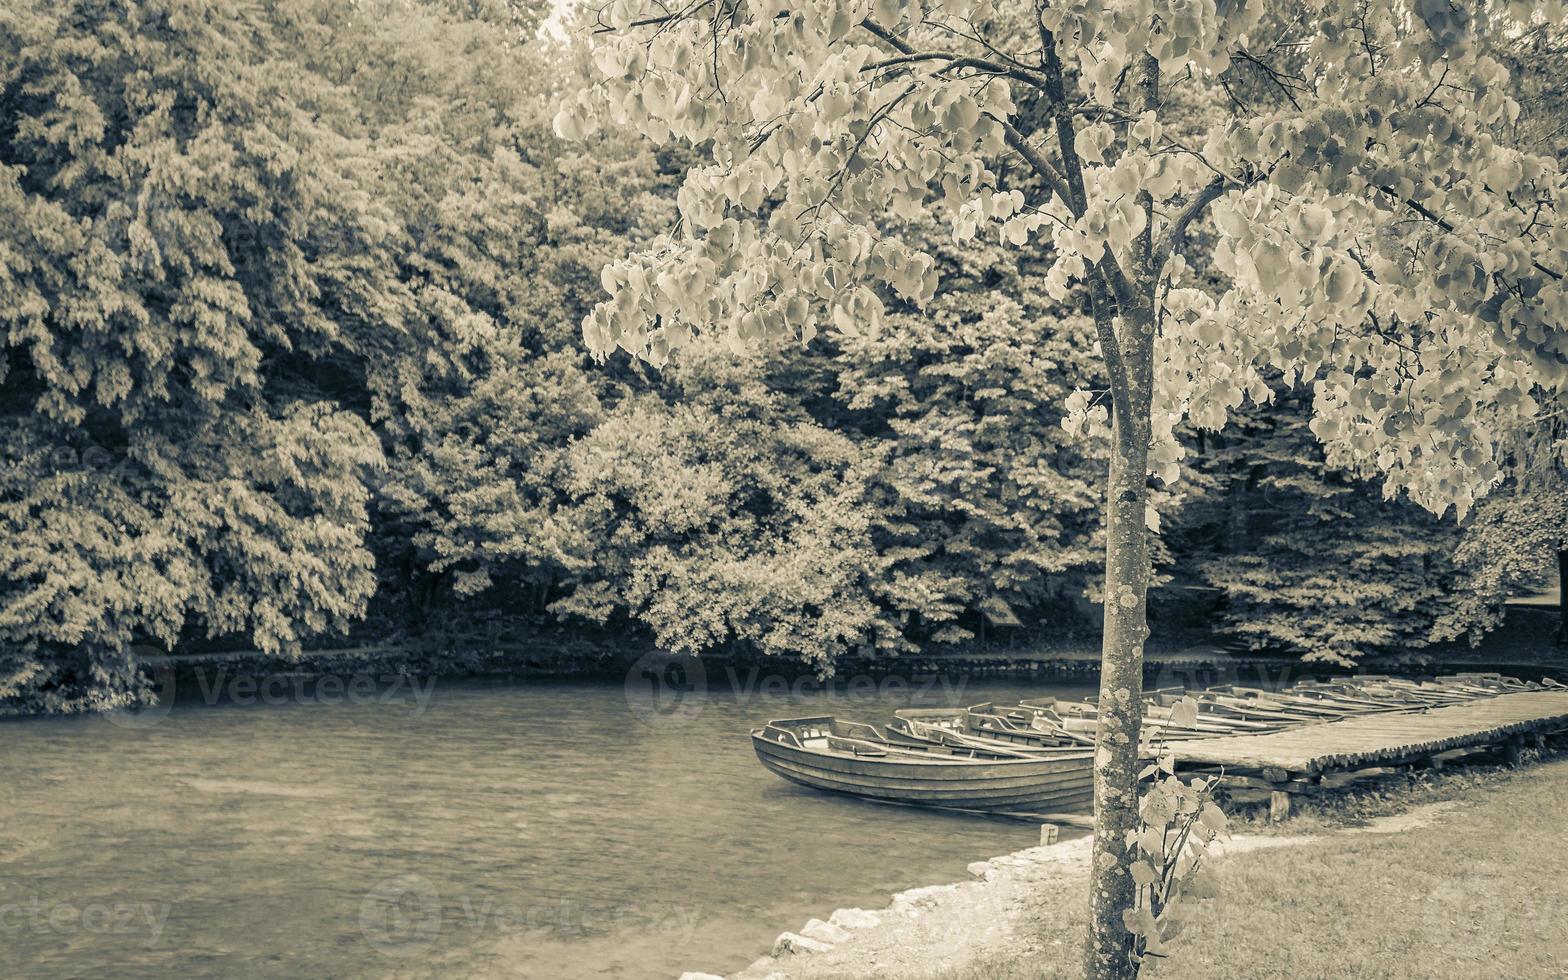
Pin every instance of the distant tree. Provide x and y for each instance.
(1305, 557)
(503, 229)
(1376, 240)
(1516, 542)
(727, 518)
(185, 267)
(987, 497)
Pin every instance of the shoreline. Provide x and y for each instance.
(942, 927)
(955, 929)
(578, 661)
(632, 664)
(983, 910)
(1523, 647)
(928, 918)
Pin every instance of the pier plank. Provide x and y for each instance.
(1359, 742)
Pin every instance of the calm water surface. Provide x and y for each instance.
(474, 830)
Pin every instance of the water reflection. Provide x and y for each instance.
(482, 829)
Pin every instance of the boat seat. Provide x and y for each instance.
(858, 748)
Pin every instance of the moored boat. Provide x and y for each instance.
(1212, 721)
(1036, 756)
(826, 754)
(964, 728)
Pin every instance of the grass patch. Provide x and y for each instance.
(1354, 803)
(1480, 893)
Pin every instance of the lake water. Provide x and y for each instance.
(464, 829)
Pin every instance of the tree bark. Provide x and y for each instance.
(1562, 596)
(1107, 953)
(1121, 694)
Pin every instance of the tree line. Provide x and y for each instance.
(291, 298)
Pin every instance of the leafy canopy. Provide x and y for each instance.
(179, 255)
(1304, 558)
(1373, 236)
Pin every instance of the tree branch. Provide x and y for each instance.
(1443, 223)
(1110, 348)
(1106, 279)
(1053, 87)
(888, 37)
(1270, 73)
(659, 19)
(1031, 156)
(1176, 234)
(955, 60)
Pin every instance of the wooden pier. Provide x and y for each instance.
(1295, 761)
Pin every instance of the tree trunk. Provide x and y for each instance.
(1121, 685)
(1107, 952)
(1562, 597)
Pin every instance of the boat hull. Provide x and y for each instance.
(1060, 783)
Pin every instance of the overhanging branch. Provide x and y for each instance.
(1176, 234)
(955, 61)
(1444, 224)
(1031, 156)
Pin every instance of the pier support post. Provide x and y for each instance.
(1513, 749)
(1279, 806)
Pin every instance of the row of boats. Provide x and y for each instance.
(1037, 755)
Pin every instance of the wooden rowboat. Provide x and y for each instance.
(827, 754)
(1037, 755)
(1026, 723)
(1081, 719)
(919, 728)
(962, 729)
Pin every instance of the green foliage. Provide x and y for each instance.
(725, 519)
(1372, 238)
(1305, 557)
(1511, 545)
(506, 230)
(177, 255)
(1178, 824)
(984, 495)
(496, 437)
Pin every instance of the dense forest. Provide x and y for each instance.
(291, 297)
